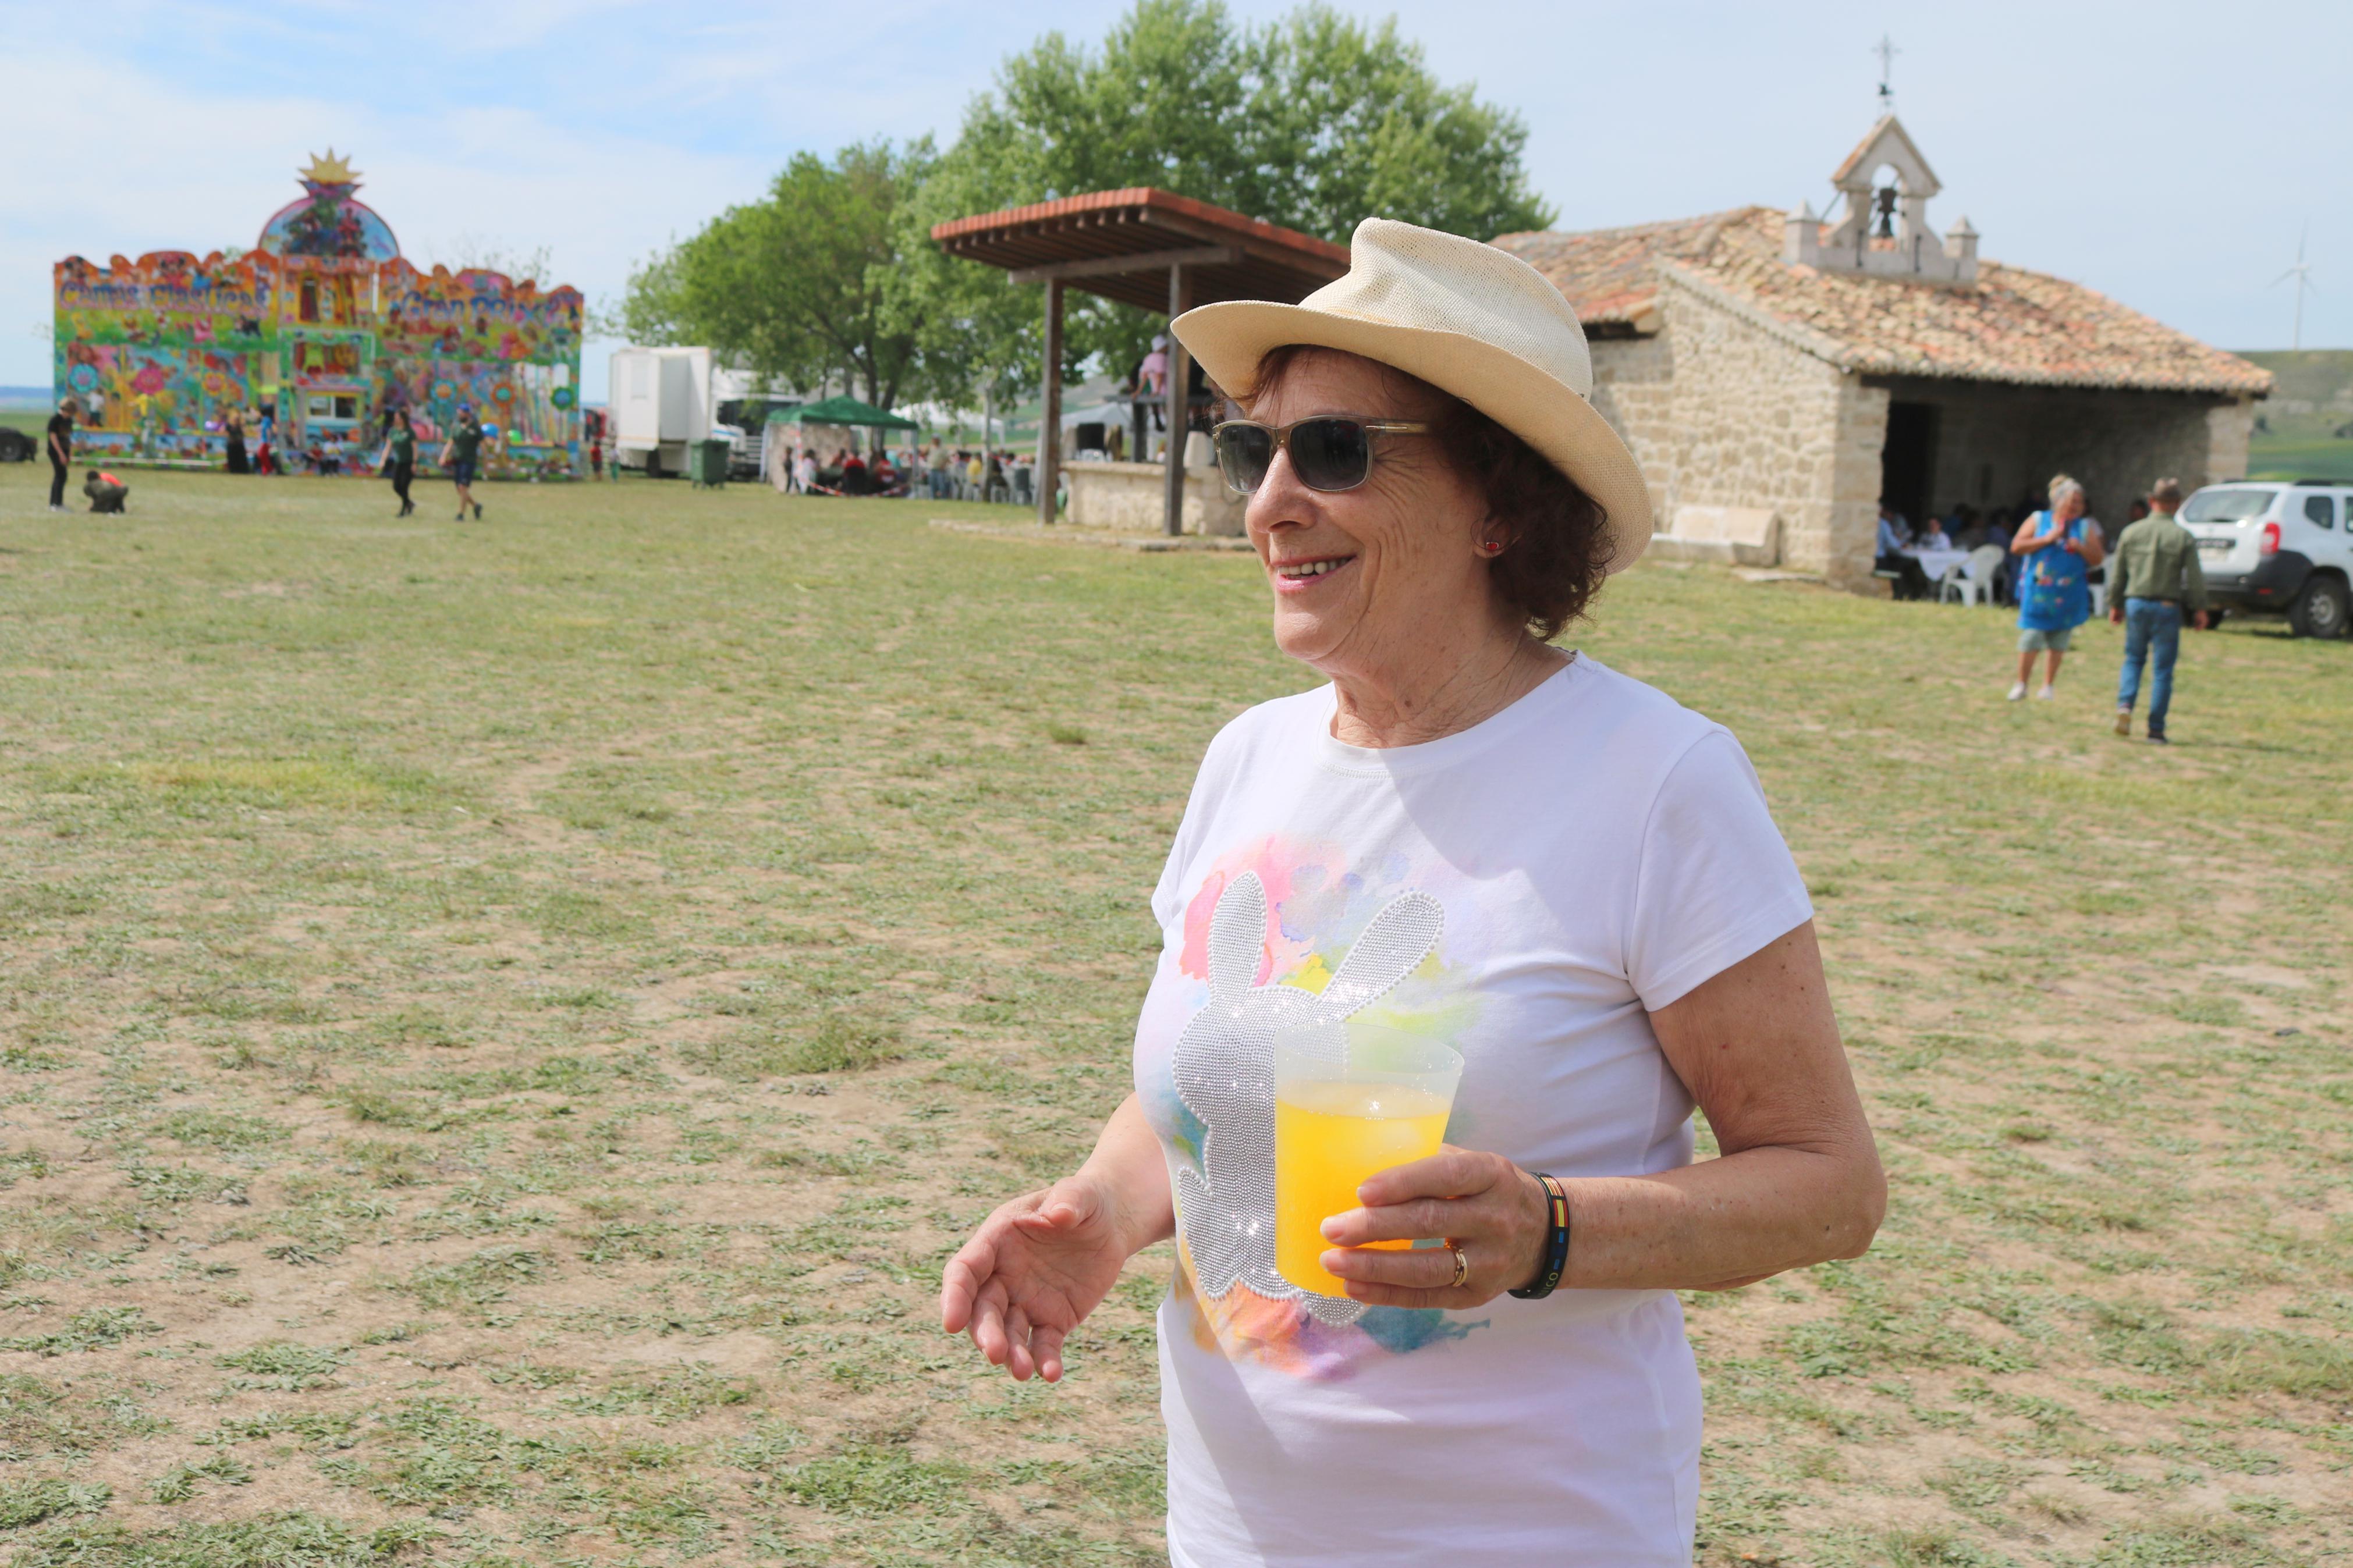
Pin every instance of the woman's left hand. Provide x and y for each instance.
(1497, 1213)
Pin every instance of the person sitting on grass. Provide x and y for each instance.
(106, 492)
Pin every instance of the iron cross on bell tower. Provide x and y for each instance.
(1884, 199)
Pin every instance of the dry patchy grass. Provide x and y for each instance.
(502, 1023)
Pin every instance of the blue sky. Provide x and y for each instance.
(2166, 154)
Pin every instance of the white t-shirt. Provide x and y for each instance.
(1529, 890)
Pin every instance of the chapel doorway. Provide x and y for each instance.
(1908, 463)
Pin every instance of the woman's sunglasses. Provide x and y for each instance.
(1330, 452)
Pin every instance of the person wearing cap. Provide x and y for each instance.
(1478, 836)
(2156, 581)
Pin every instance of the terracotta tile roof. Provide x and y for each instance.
(2010, 325)
(1610, 275)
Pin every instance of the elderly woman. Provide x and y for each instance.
(1474, 834)
(2059, 548)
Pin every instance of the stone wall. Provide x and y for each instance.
(1721, 412)
(1758, 421)
(1133, 498)
(2229, 429)
(1998, 445)
(1850, 531)
(1634, 389)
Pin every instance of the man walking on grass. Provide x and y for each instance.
(460, 454)
(2152, 580)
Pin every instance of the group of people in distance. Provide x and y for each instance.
(851, 472)
(2053, 554)
(2154, 584)
(1964, 527)
(460, 456)
(934, 469)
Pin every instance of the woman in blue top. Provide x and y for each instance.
(2061, 546)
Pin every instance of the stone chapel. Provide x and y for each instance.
(1792, 370)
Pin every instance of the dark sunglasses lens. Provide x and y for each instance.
(1245, 452)
(1331, 454)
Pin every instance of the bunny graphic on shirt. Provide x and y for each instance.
(1225, 1073)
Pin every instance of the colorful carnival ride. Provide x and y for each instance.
(324, 329)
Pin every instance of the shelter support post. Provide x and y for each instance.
(1050, 418)
(1180, 402)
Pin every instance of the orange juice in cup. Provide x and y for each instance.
(1337, 1122)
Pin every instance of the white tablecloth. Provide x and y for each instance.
(1935, 563)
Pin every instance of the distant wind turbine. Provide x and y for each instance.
(2301, 273)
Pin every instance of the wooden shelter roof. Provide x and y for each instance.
(1121, 244)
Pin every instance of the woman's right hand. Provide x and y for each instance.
(1033, 1272)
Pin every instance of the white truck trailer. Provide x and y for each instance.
(659, 400)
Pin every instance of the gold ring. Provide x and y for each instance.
(1461, 1266)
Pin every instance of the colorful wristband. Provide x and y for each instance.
(1555, 1244)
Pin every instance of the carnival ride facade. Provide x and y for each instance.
(326, 328)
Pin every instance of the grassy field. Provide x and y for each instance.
(2296, 435)
(502, 1023)
(2323, 457)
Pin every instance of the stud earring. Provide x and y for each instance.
(1490, 547)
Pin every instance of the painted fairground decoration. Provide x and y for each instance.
(315, 337)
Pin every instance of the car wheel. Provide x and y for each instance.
(2323, 610)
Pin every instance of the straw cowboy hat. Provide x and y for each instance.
(1467, 319)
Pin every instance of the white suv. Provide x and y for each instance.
(2277, 546)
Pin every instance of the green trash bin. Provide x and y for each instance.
(706, 461)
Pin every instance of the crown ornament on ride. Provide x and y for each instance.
(330, 175)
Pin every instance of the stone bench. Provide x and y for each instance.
(1733, 536)
(1134, 496)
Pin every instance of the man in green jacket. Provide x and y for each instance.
(2153, 578)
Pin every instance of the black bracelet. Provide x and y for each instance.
(1555, 1245)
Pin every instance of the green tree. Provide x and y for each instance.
(805, 284)
(1313, 122)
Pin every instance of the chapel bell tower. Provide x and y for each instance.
(1884, 229)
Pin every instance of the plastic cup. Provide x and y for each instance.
(1339, 1119)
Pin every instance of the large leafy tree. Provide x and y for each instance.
(805, 283)
(1315, 121)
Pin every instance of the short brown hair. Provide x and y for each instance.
(1556, 554)
(2166, 493)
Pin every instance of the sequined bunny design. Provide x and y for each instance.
(1225, 1073)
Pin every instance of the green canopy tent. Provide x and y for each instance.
(842, 410)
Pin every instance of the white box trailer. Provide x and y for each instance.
(659, 400)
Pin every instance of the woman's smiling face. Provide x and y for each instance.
(1362, 578)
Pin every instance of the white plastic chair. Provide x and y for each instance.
(1974, 586)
